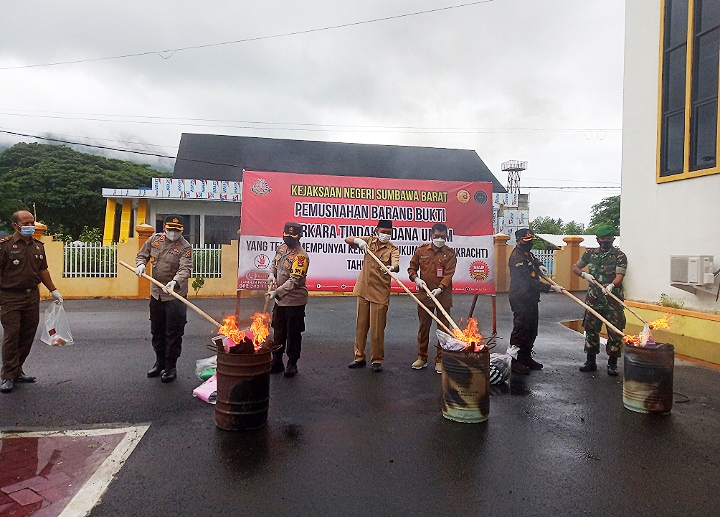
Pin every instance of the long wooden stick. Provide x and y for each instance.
(173, 293)
(606, 292)
(587, 307)
(472, 306)
(440, 307)
(394, 276)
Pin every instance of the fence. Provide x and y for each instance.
(207, 261)
(89, 260)
(547, 257)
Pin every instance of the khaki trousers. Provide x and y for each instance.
(372, 317)
(20, 316)
(426, 322)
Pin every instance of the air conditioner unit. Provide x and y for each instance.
(691, 269)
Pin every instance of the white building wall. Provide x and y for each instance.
(658, 220)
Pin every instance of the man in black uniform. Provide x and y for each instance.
(23, 265)
(171, 258)
(525, 289)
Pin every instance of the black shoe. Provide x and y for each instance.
(358, 364)
(168, 375)
(277, 367)
(518, 367)
(157, 369)
(25, 378)
(290, 370)
(531, 363)
(612, 367)
(376, 367)
(6, 386)
(589, 366)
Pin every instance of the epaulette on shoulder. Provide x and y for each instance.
(5, 238)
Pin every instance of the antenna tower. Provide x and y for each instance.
(513, 168)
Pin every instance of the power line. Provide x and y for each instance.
(167, 54)
(567, 187)
(101, 139)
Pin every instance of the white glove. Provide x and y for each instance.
(56, 296)
(587, 276)
(271, 281)
(420, 283)
(140, 270)
(543, 270)
(271, 295)
(609, 288)
(556, 289)
(360, 244)
(436, 292)
(170, 286)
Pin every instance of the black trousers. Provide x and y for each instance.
(525, 326)
(288, 324)
(167, 326)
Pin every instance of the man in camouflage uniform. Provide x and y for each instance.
(287, 283)
(171, 258)
(606, 264)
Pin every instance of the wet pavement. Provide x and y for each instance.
(355, 442)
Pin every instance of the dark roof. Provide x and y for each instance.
(219, 157)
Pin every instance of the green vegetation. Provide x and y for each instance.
(666, 301)
(65, 186)
(605, 212)
(556, 226)
(197, 284)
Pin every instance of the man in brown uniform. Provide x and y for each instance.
(287, 279)
(433, 265)
(171, 258)
(23, 265)
(373, 294)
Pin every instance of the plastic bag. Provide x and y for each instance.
(207, 391)
(57, 329)
(500, 368)
(448, 342)
(205, 368)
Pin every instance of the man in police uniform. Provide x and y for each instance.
(23, 265)
(606, 264)
(287, 287)
(433, 265)
(524, 296)
(373, 294)
(171, 258)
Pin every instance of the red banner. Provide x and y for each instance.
(331, 208)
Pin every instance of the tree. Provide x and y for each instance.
(605, 212)
(574, 228)
(64, 185)
(547, 225)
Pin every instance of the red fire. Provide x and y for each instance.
(260, 327)
(471, 335)
(230, 329)
(257, 333)
(645, 337)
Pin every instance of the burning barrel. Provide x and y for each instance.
(648, 378)
(466, 385)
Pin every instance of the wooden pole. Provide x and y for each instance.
(472, 306)
(493, 299)
(440, 307)
(606, 292)
(173, 293)
(432, 315)
(609, 325)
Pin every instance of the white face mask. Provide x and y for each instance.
(438, 243)
(173, 235)
(383, 237)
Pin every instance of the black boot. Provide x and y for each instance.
(590, 365)
(291, 369)
(159, 366)
(525, 358)
(612, 367)
(518, 367)
(277, 365)
(169, 373)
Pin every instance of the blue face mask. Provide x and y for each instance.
(27, 231)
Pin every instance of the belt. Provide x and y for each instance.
(18, 289)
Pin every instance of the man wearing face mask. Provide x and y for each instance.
(433, 264)
(524, 296)
(287, 287)
(606, 264)
(373, 294)
(170, 256)
(23, 265)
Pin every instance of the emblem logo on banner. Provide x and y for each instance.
(261, 187)
(479, 270)
(480, 197)
(262, 261)
(463, 196)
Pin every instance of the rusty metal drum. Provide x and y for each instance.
(243, 390)
(648, 378)
(466, 386)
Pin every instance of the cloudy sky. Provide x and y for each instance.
(535, 80)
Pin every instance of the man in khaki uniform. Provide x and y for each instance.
(433, 265)
(23, 265)
(373, 294)
(171, 258)
(287, 279)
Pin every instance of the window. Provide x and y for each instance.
(688, 139)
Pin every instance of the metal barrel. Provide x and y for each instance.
(466, 386)
(243, 390)
(648, 378)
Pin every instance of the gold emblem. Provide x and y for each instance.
(463, 196)
(16, 262)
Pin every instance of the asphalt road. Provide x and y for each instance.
(349, 442)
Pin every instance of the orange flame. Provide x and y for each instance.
(230, 329)
(260, 328)
(662, 323)
(471, 335)
(645, 338)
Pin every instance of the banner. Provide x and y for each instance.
(331, 208)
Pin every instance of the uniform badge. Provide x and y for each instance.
(15, 246)
(41, 257)
(37, 247)
(176, 250)
(16, 262)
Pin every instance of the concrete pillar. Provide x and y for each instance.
(573, 252)
(125, 217)
(109, 229)
(502, 271)
(141, 213)
(144, 231)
